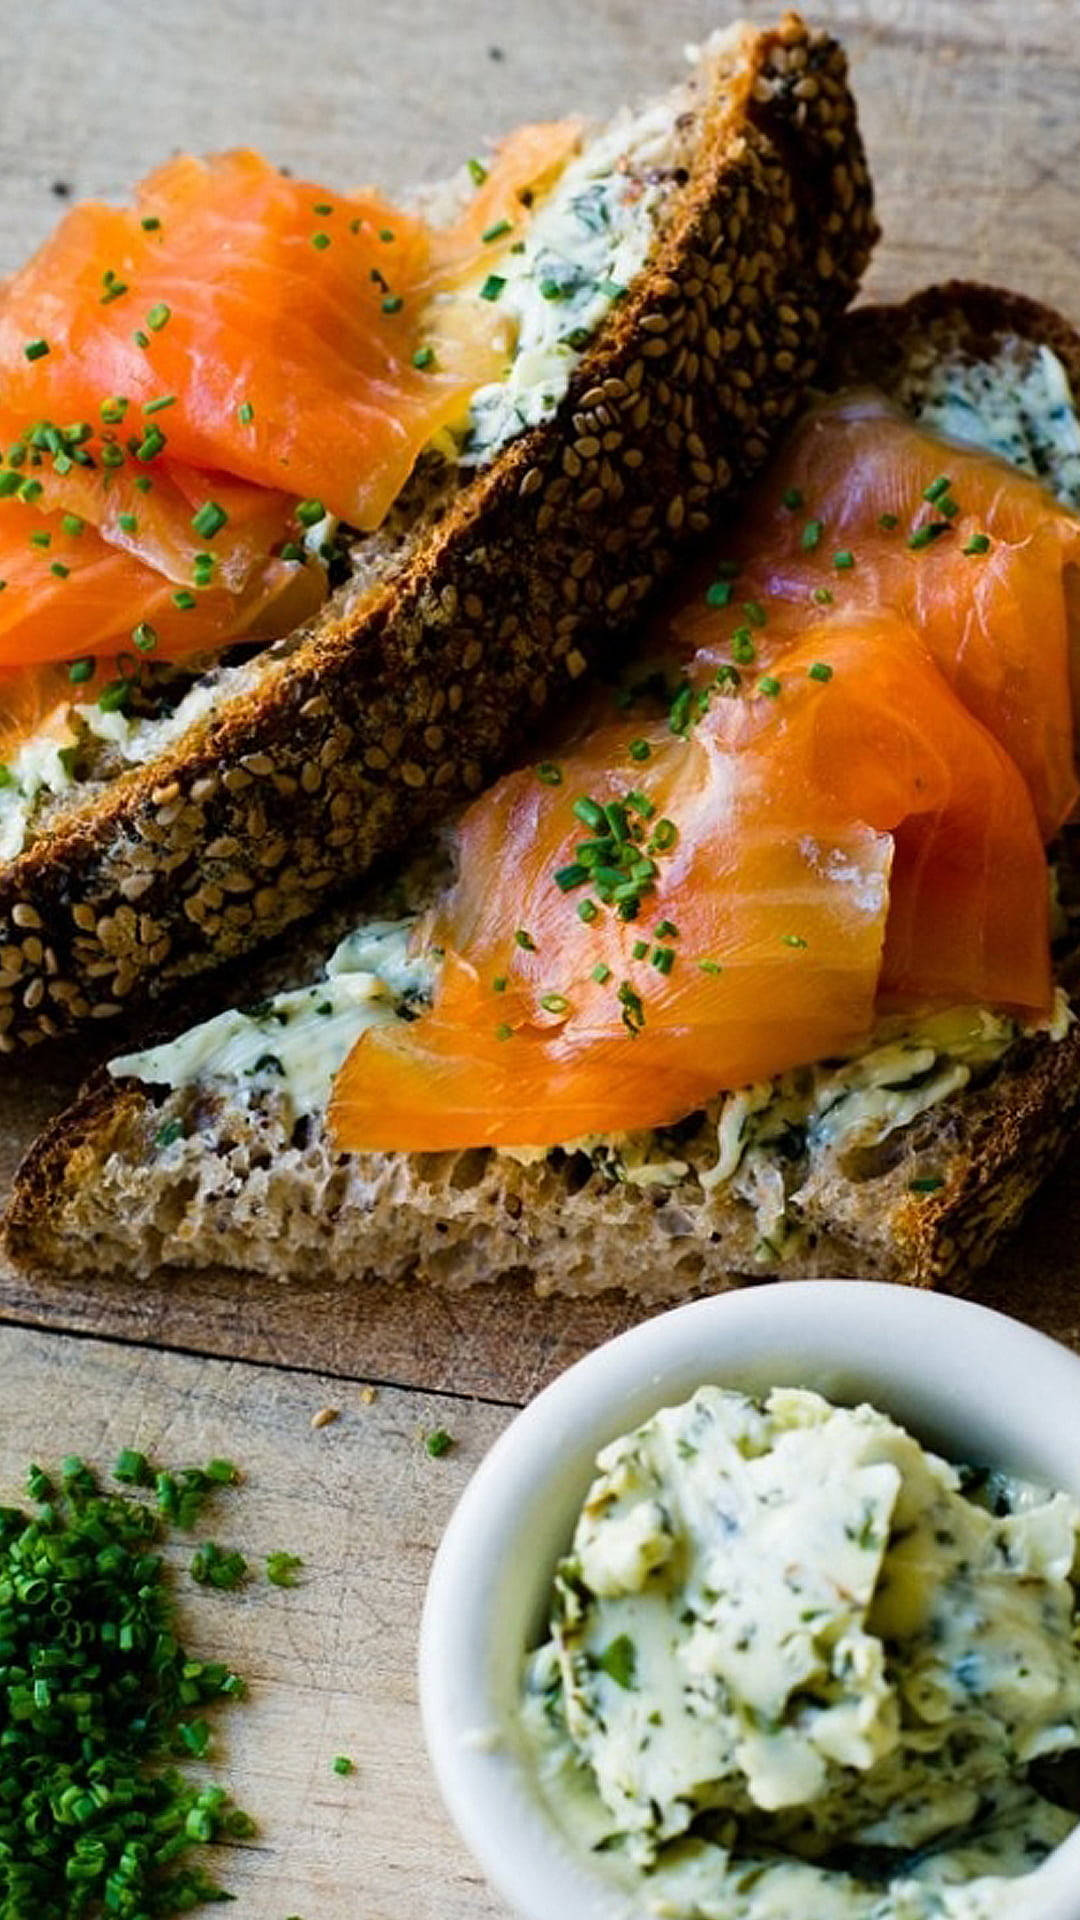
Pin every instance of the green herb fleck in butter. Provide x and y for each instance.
(797, 1666)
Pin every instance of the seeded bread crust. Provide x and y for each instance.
(404, 697)
(240, 1186)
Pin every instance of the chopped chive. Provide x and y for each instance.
(591, 815)
(342, 1764)
(492, 287)
(587, 910)
(496, 232)
(36, 349)
(168, 1134)
(792, 498)
(424, 357)
(979, 543)
(567, 878)
(811, 535)
(113, 698)
(666, 930)
(822, 597)
(158, 317)
(80, 671)
(159, 405)
(719, 594)
(888, 522)
(113, 410)
(59, 569)
(438, 1443)
(478, 171)
(290, 551)
(393, 303)
(710, 966)
(923, 536)
(498, 985)
(927, 1183)
(743, 649)
(30, 490)
(525, 940)
(144, 636)
(310, 512)
(209, 520)
(114, 290)
(549, 774)
(183, 599)
(663, 959)
(320, 241)
(664, 835)
(281, 1568)
(10, 482)
(140, 338)
(554, 1003)
(150, 445)
(601, 973)
(819, 671)
(41, 539)
(937, 487)
(503, 1032)
(72, 524)
(754, 612)
(386, 234)
(245, 413)
(639, 750)
(794, 940)
(322, 207)
(843, 560)
(633, 1015)
(150, 224)
(128, 522)
(144, 483)
(728, 679)
(640, 950)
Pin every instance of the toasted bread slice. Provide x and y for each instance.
(420, 677)
(134, 1177)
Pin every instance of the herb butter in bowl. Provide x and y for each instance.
(767, 1611)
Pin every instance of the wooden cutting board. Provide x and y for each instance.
(970, 117)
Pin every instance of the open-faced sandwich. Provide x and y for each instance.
(311, 505)
(759, 966)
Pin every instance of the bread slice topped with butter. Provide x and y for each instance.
(590, 342)
(585, 1060)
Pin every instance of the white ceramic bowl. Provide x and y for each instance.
(970, 1383)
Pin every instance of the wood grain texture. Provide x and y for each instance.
(330, 1663)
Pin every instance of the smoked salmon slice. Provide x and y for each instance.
(288, 326)
(122, 606)
(191, 383)
(864, 509)
(841, 829)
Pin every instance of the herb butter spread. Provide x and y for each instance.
(294, 1043)
(1017, 405)
(799, 1669)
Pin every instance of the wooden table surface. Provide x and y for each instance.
(970, 116)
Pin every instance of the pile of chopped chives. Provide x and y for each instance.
(97, 1694)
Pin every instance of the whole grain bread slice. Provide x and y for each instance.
(135, 1178)
(419, 680)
